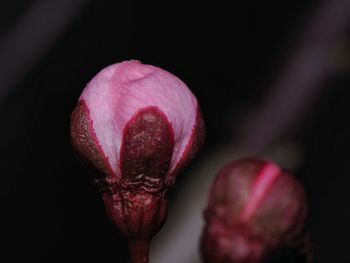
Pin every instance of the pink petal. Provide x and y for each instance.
(116, 93)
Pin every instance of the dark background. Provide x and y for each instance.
(228, 52)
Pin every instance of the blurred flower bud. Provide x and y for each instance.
(137, 125)
(254, 208)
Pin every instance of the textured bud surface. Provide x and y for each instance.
(254, 208)
(84, 140)
(146, 151)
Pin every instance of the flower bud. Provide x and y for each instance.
(136, 125)
(254, 208)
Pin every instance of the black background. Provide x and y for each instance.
(226, 51)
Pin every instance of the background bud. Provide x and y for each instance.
(254, 208)
(137, 126)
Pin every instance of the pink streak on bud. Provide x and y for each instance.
(254, 209)
(261, 185)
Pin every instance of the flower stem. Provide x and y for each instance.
(139, 250)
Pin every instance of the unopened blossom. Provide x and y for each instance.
(254, 208)
(136, 125)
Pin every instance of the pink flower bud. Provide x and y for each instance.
(254, 208)
(137, 125)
